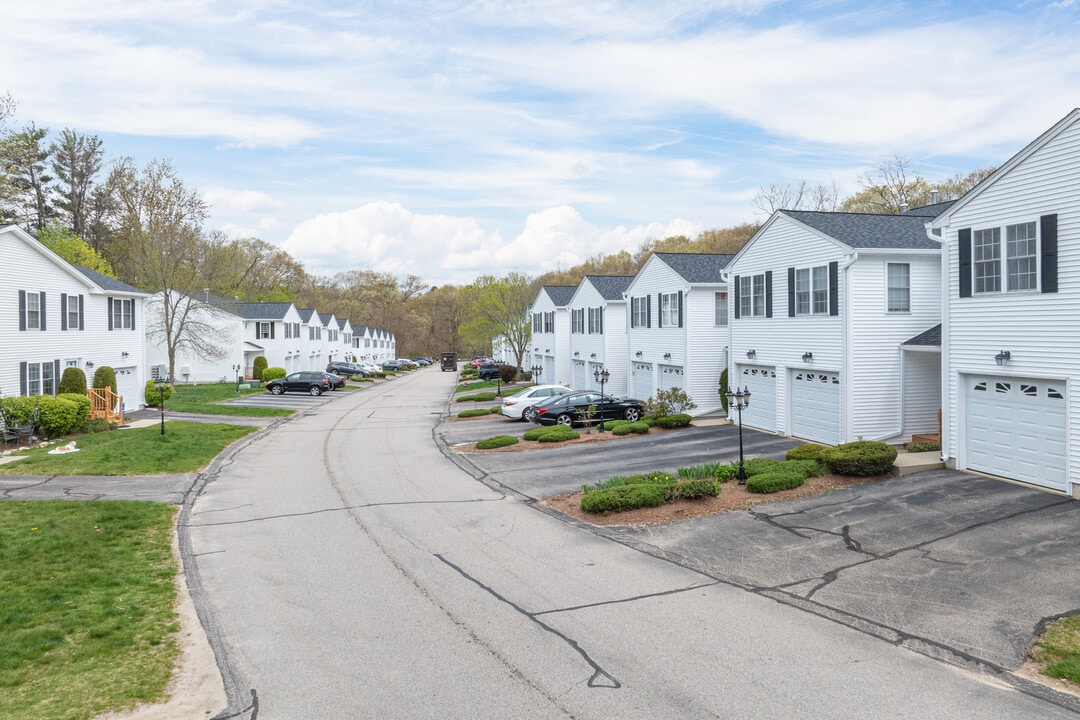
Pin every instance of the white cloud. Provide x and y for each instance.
(227, 199)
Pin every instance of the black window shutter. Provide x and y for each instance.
(834, 288)
(735, 280)
(56, 375)
(63, 311)
(963, 238)
(22, 379)
(41, 304)
(659, 309)
(601, 320)
(271, 331)
(680, 309)
(132, 301)
(791, 292)
(81, 312)
(1049, 260)
(648, 311)
(632, 323)
(768, 293)
(110, 313)
(22, 311)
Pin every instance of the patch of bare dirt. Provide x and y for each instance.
(732, 497)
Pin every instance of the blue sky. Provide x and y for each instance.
(450, 139)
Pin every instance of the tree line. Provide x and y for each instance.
(143, 225)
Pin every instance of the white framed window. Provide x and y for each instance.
(33, 312)
(123, 314)
(720, 318)
(40, 379)
(812, 290)
(986, 259)
(669, 309)
(596, 320)
(1006, 261)
(577, 320)
(802, 291)
(1021, 257)
(752, 296)
(639, 312)
(262, 330)
(898, 282)
(71, 309)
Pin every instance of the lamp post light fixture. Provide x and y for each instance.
(537, 371)
(751, 354)
(601, 376)
(236, 371)
(740, 399)
(808, 357)
(160, 385)
(1002, 358)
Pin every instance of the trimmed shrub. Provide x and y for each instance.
(722, 390)
(477, 397)
(691, 489)
(507, 373)
(622, 498)
(84, 404)
(862, 458)
(656, 477)
(273, 373)
(806, 452)
(668, 402)
(153, 395)
(258, 365)
(756, 466)
(625, 428)
(808, 468)
(674, 421)
(19, 410)
(496, 442)
(649, 421)
(535, 433)
(97, 425)
(923, 447)
(559, 435)
(476, 412)
(775, 481)
(58, 416)
(73, 381)
(614, 481)
(105, 377)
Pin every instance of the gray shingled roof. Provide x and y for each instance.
(305, 314)
(560, 294)
(930, 211)
(325, 318)
(863, 230)
(610, 287)
(697, 267)
(264, 310)
(931, 337)
(341, 323)
(107, 283)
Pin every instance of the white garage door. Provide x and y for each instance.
(672, 376)
(815, 406)
(1016, 428)
(592, 370)
(125, 388)
(761, 382)
(643, 386)
(579, 376)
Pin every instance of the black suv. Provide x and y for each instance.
(346, 369)
(309, 381)
(488, 371)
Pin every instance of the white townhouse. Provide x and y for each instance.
(677, 326)
(598, 333)
(1010, 346)
(331, 335)
(344, 349)
(218, 323)
(271, 329)
(551, 334)
(311, 339)
(822, 306)
(55, 315)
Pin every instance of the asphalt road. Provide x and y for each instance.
(345, 567)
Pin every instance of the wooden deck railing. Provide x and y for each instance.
(106, 404)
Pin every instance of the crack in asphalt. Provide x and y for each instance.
(340, 509)
(600, 677)
(620, 601)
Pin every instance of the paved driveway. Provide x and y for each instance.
(952, 565)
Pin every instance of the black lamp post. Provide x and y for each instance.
(537, 371)
(601, 376)
(740, 399)
(160, 385)
(236, 371)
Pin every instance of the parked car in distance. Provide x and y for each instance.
(309, 381)
(346, 369)
(392, 365)
(572, 409)
(407, 363)
(422, 361)
(368, 367)
(336, 381)
(478, 361)
(522, 404)
(488, 371)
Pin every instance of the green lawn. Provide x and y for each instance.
(204, 399)
(86, 606)
(1059, 648)
(185, 447)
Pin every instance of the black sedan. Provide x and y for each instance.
(309, 381)
(336, 381)
(573, 409)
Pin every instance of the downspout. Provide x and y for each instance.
(946, 361)
(845, 350)
(725, 277)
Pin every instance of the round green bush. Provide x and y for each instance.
(273, 373)
(19, 410)
(559, 435)
(808, 468)
(476, 412)
(625, 428)
(507, 373)
(726, 472)
(535, 433)
(691, 489)
(57, 416)
(756, 466)
(774, 481)
(84, 404)
(674, 421)
(811, 451)
(623, 497)
(496, 442)
(153, 394)
(105, 377)
(862, 458)
(257, 366)
(73, 381)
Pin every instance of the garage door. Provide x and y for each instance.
(672, 376)
(590, 377)
(643, 385)
(1016, 428)
(579, 375)
(125, 388)
(815, 406)
(761, 381)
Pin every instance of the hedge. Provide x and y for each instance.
(674, 421)
(559, 435)
(273, 373)
(84, 404)
(73, 381)
(477, 397)
(806, 452)
(623, 497)
(691, 489)
(862, 458)
(58, 416)
(153, 394)
(104, 377)
(476, 412)
(625, 428)
(496, 442)
(775, 480)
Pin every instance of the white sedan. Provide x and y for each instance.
(520, 405)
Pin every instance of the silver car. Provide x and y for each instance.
(520, 405)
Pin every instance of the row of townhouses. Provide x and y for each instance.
(54, 315)
(950, 320)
